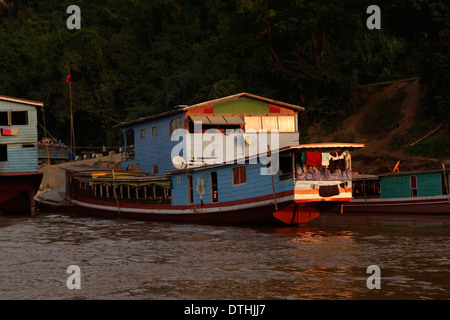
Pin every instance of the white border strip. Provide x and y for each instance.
(198, 210)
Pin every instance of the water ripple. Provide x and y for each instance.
(122, 259)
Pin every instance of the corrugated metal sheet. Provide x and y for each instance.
(202, 119)
(210, 119)
(21, 144)
(20, 159)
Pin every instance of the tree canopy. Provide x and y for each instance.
(136, 58)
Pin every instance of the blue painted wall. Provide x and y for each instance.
(22, 153)
(153, 150)
(257, 185)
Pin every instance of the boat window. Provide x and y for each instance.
(286, 123)
(111, 192)
(239, 175)
(177, 123)
(214, 187)
(281, 123)
(285, 168)
(4, 153)
(253, 123)
(160, 192)
(270, 123)
(142, 133)
(103, 190)
(413, 186)
(142, 192)
(133, 192)
(125, 192)
(4, 118)
(19, 117)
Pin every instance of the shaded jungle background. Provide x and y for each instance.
(136, 58)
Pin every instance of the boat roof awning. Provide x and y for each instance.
(215, 119)
(327, 146)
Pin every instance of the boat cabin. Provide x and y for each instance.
(107, 185)
(210, 132)
(366, 186)
(18, 135)
(414, 184)
(411, 184)
(236, 158)
(241, 148)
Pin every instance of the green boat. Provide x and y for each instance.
(401, 192)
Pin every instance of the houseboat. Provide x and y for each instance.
(54, 152)
(401, 192)
(235, 159)
(19, 176)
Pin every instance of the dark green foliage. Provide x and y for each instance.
(135, 58)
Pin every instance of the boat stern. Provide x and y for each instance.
(322, 180)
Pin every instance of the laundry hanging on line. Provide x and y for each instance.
(314, 159)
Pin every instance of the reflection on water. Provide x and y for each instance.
(123, 259)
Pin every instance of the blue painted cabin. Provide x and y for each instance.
(153, 144)
(18, 135)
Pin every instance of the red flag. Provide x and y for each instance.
(6, 132)
(68, 76)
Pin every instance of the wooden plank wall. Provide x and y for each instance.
(22, 148)
(256, 185)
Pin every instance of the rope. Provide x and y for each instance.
(115, 193)
(46, 147)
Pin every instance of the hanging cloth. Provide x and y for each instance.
(314, 159)
(328, 191)
(6, 132)
(303, 157)
(325, 159)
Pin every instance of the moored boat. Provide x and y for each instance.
(19, 176)
(232, 160)
(54, 153)
(424, 191)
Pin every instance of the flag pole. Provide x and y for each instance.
(72, 131)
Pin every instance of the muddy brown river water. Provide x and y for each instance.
(125, 259)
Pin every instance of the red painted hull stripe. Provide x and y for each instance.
(113, 204)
